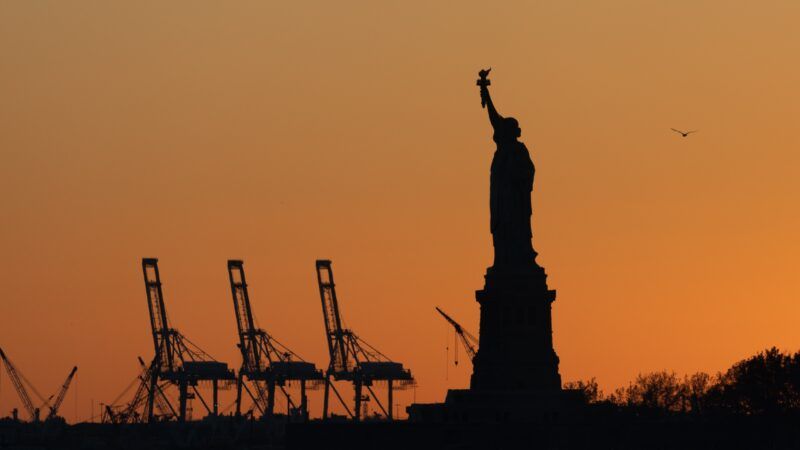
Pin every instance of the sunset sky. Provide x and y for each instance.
(283, 132)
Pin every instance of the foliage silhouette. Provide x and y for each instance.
(767, 383)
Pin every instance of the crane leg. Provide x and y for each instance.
(357, 386)
(390, 400)
(216, 401)
(327, 395)
(151, 396)
(183, 395)
(270, 397)
(303, 400)
(239, 382)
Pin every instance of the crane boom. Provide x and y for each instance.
(161, 403)
(248, 343)
(20, 388)
(61, 394)
(158, 314)
(337, 347)
(140, 398)
(469, 341)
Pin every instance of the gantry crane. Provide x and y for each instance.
(177, 361)
(266, 363)
(351, 358)
(19, 381)
(469, 341)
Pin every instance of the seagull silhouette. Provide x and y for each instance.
(683, 133)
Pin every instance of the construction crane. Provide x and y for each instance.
(135, 411)
(353, 359)
(130, 412)
(19, 381)
(266, 363)
(469, 341)
(177, 362)
(162, 404)
(62, 393)
(115, 413)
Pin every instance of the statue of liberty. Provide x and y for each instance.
(511, 184)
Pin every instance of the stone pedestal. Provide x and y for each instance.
(488, 407)
(516, 334)
(515, 375)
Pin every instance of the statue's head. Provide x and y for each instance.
(511, 127)
(507, 131)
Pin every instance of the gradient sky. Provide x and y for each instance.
(283, 132)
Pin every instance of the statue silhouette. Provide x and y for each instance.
(515, 352)
(511, 184)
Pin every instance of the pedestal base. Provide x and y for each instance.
(516, 338)
(483, 407)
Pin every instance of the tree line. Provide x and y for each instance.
(767, 383)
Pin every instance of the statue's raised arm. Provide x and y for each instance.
(486, 99)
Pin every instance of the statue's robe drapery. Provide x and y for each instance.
(511, 184)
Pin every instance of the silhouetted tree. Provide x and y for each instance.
(767, 383)
(657, 391)
(590, 388)
(695, 389)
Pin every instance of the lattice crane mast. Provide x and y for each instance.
(140, 399)
(62, 393)
(17, 380)
(116, 413)
(351, 358)
(469, 341)
(130, 412)
(165, 409)
(265, 361)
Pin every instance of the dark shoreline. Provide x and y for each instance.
(601, 429)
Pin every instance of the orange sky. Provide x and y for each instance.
(282, 132)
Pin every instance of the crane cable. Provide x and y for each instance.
(446, 357)
(455, 346)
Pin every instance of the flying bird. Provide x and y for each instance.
(683, 133)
